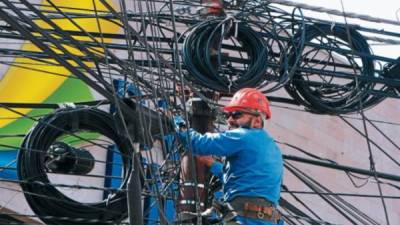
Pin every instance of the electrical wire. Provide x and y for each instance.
(324, 96)
(344, 208)
(30, 167)
(157, 71)
(203, 58)
(372, 142)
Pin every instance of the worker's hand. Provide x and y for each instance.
(180, 124)
(206, 160)
(183, 136)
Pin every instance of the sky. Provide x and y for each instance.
(386, 9)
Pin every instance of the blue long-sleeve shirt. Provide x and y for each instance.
(254, 165)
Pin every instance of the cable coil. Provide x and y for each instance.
(328, 53)
(209, 67)
(45, 200)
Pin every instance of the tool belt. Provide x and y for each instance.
(255, 208)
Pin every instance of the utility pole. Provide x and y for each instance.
(134, 193)
(193, 171)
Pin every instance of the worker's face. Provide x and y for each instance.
(238, 119)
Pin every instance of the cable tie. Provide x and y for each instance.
(136, 147)
(66, 105)
(230, 85)
(333, 22)
(196, 99)
(108, 200)
(236, 22)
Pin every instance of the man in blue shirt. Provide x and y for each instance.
(253, 171)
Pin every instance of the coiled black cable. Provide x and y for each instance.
(42, 198)
(322, 95)
(208, 67)
(392, 70)
(279, 31)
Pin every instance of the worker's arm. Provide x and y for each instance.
(215, 167)
(220, 144)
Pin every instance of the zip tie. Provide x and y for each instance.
(333, 22)
(108, 200)
(227, 19)
(236, 27)
(74, 120)
(66, 105)
(230, 85)
(197, 99)
(136, 147)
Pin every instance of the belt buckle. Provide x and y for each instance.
(260, 215)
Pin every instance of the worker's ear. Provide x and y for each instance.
(258, 122)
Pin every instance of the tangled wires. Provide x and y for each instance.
(327, 79)
(48, 202)
(242, 65)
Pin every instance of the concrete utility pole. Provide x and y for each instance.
(193, 171)
(134, 196)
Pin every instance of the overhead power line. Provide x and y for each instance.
(335, 12)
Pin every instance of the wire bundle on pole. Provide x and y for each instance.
(333, 60)
(275, 26)
(331, 73)
(48, 202)
(208, 66)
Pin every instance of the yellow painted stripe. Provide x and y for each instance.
(26, 85)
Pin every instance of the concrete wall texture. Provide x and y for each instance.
(332, 138)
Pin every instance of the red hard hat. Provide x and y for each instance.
(249, 98)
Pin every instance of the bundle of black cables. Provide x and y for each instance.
(392, 70)
(323, 43)
(7, 219)
(51, 205)
(208, 67)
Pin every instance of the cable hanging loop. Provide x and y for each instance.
(216, 50)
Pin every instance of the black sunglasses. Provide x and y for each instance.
(235, 115)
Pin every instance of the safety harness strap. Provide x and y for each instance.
(256, 208)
